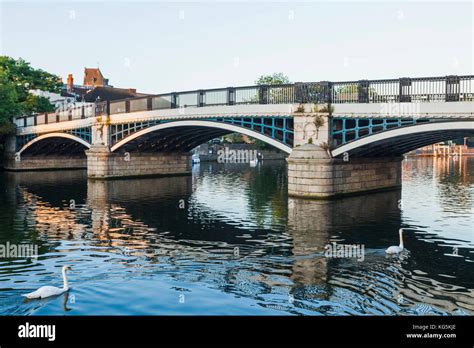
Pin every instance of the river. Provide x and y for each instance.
(228, 241)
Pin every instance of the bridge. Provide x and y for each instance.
(341, 137)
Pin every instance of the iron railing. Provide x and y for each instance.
(74, 113)
(421, 89)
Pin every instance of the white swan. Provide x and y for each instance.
(47, 291)
(396, 249)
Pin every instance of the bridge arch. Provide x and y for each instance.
(43, 137)
(396, 142)
(222, 128)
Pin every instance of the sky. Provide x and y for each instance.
(165, 46)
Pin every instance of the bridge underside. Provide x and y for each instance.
(369, 163)
(184, 135)
(172, 140)
(162, 147)
(50, 153)
(55, 147)
(397, 146)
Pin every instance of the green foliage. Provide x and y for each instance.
(26, 78)
(352, 91)
(273, 79)
(37, 104)
(310, 140)
(261, 145)
(234, 138)
(275, 93)
(348, 89)
(17, 78)
(8, 103)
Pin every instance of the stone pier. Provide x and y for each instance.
(44, 163)
(105, 164)
(313, 173)
(102, 164)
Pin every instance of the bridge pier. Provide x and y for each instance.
(312, 173)
(18, 162)
(44, 163)
(103, 164)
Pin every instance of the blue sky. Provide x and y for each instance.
(158, 46)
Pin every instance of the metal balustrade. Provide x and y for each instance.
(74, 113)
(402, 90)
(345, 129)
(278, 128)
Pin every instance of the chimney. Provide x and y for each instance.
(70, 82)
(132, 90)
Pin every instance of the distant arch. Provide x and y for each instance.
(396, 142)
(54, 135)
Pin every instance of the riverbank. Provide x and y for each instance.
(442, 150)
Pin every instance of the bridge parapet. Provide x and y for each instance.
(448, 110)
(404, 90)
(78, 112)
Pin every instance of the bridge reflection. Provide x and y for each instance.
(315, 224)
(143, 219)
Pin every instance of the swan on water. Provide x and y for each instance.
(47, 291)
(394, 249)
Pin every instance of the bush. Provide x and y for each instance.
(300, 108)
(327, 109)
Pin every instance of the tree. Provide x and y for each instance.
(37, 104)
(8, 104)
(234, 138)
(273, 79)
(17, 79)
(277, 94)
(351, 92)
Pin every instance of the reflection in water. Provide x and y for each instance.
(227, 240)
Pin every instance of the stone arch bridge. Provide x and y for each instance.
(341, 137)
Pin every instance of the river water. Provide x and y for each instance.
(228, 241)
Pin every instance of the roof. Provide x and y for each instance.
(77, 91)
(111, 93)
(93, 77)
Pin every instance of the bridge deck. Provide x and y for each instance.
(426, 95)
